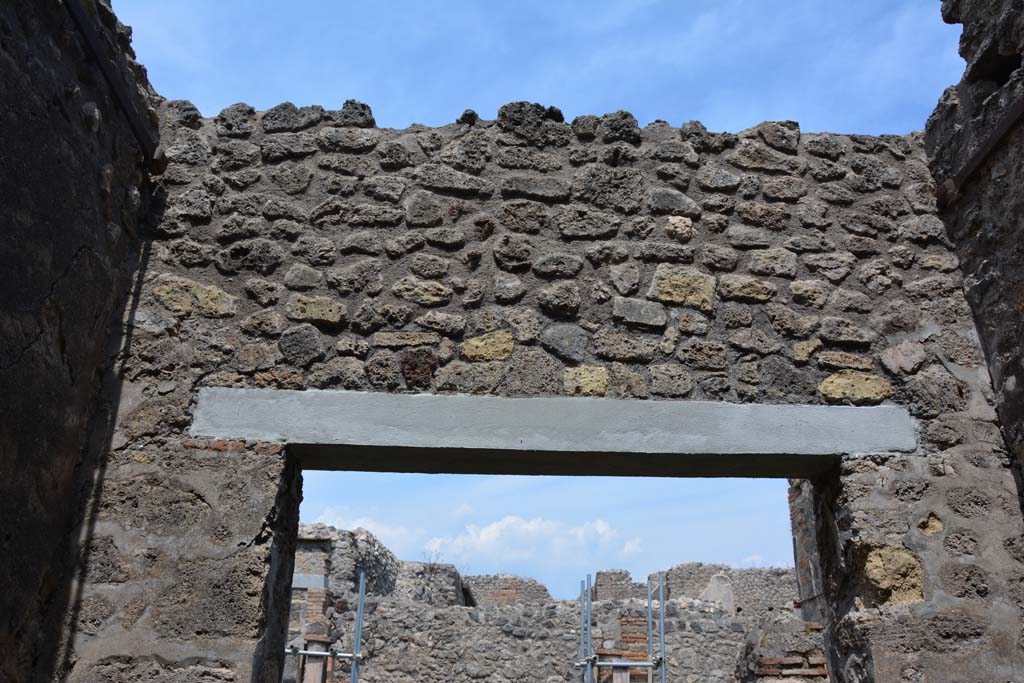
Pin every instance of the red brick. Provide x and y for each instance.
(220, 445)
(267, 448)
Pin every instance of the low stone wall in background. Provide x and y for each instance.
(435, 625)
(760, 593)
(505, 589)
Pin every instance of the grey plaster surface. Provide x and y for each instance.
(395, 426)
(303, 580)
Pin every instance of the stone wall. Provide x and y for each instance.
(353, 552)
(758, 593)
(311, 556)
(807, 569)
(983, 221)
(433, 583)
(73, 182)
(991, 44)
(528, 256)
(784, 652)
(303, 247)
(617, 584)
(535, 642)
(505, 589)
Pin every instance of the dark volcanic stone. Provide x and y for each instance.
(558, 266)
(301, 345)
(418, 367)
(353, 113)
(238, 120)
(535, 124)
(287, 117)
(620, 125)
(259, 255)
(566, 341)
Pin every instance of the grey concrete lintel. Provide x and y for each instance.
(347, 430)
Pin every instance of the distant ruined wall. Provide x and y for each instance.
(759, 593)
(434, 583)
(617, 584)
(72, 188)
(351, 553)
(503, 589)
(536, 642)
(517, 632)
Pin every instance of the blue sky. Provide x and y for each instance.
(871, 66)
(556, 529)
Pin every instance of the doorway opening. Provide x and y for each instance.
(577, 437)
(476, 577)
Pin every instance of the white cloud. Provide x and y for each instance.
(513, 539)
(406, 542)
(631, 547)
(759, 561)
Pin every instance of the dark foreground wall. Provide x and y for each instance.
(70, 196)
(975, 139)
(985, 215)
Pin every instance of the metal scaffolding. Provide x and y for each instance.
(331, 655)
(587, 661)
